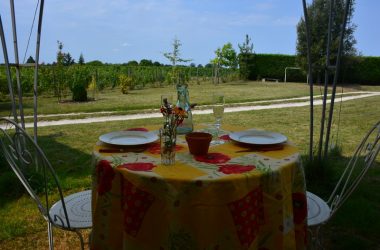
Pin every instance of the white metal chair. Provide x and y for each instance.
(35, 172)
(320, 211)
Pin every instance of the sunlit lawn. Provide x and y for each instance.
(356, 225)
(114, 100)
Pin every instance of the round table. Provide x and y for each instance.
(233, 198)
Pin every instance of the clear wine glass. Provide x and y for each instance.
(218, 111)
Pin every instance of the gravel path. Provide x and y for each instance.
(290, 102)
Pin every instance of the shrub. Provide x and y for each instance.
(125, 82)
(79, 93)
(81, 77)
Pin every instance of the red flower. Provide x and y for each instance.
(138, 129)
(155, 148)
(143, 166)
(105, 175)
(213, 158)
(225, 137)
(235, 168)
(299, 207)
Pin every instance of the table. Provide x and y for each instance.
(230, 199)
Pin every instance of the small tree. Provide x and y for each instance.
(174, 57)
(59, 74)
(246, 53)
(30, 60)
(225, 56)
(67, 59)
(81, 59)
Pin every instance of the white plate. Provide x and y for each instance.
(128, 138)
(258, 137)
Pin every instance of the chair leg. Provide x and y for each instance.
(50, 236)
(80, 238)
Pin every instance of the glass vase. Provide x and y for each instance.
(183, 101)
(168, 137)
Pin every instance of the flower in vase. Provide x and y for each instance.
(173, 115)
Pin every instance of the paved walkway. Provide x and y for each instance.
(236, 107)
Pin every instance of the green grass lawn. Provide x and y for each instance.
(114, 100)
(355, 226)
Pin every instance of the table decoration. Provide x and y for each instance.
(173, 116)
(218, 110)
(183, 101)
(198, 142)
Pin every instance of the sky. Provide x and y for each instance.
(118, 31)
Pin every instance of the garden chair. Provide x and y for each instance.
(320, 211)
(37, 175)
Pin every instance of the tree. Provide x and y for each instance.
(318, 12)
(67, 59)
(146, 62)
(95, 63)
(245, 58)
(247, 46)
(30, 60)
(81, 59)
(175, 56)
(60, 54)
(132, 63)
(225, 56)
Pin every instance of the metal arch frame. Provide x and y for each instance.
(328, 68)
(13, 148)
(17, 66)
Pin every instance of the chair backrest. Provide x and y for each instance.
(363, 158)
(33, 169)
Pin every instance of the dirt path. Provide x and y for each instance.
(238, 107)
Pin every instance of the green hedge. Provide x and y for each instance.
(359, 70)
(273, 66)
(362, 70)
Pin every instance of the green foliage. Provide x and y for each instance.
(81, 59)
(318, 13)
(363, 70)
(225, 56)
(95, 63)
(273, 66)
(3, 83)
(146, 62)
(175, 56)
(30, 60)
(67, 59)
(125, 83)
(247, 67)
(80, 80)
(246, 60)
(132, 63)
(79, 93)
(247, 46)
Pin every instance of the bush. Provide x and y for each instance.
(126, 83)
(79, 93)
(81, 78)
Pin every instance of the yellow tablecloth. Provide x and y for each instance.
(227, 200)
